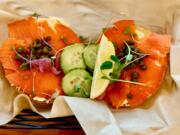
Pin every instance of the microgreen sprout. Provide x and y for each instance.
(118, 66)
(120, 80)
(129, 56)
(22, 57)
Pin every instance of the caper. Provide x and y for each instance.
(36, 41)
(134, 75)
(143, 67)
(45, 50)
(33, 57)
(24, 66)
(33, 50)
(26, 56)
(38, 45)
(141, 63)
(20, 49)
(132, 47)
(17, 57)
(129, 96)
(39, 50)
(111, 74)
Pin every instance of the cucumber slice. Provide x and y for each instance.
(90, 54)
(77, 83)
(71, 57)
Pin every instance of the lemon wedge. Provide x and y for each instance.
(99, 85)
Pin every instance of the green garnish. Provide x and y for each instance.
(82, 38)
(106, 65)
(129, 56)
(45, 49)
(104, 29)
(24, 66)
(114, 58)
(118, 67)
(120, 80)
(20, 49)
(127, 30)
(36, 15)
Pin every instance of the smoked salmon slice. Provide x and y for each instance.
(119, 32)
(24, 34)
(120, 94)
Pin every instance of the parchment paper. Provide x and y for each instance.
(160, 116)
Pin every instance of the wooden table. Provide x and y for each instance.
(30, 123)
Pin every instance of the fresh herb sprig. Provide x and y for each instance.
(117, 65)
(37, 15)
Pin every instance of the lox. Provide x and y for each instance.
(43, 85)
(121, 94)
(22, 34)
